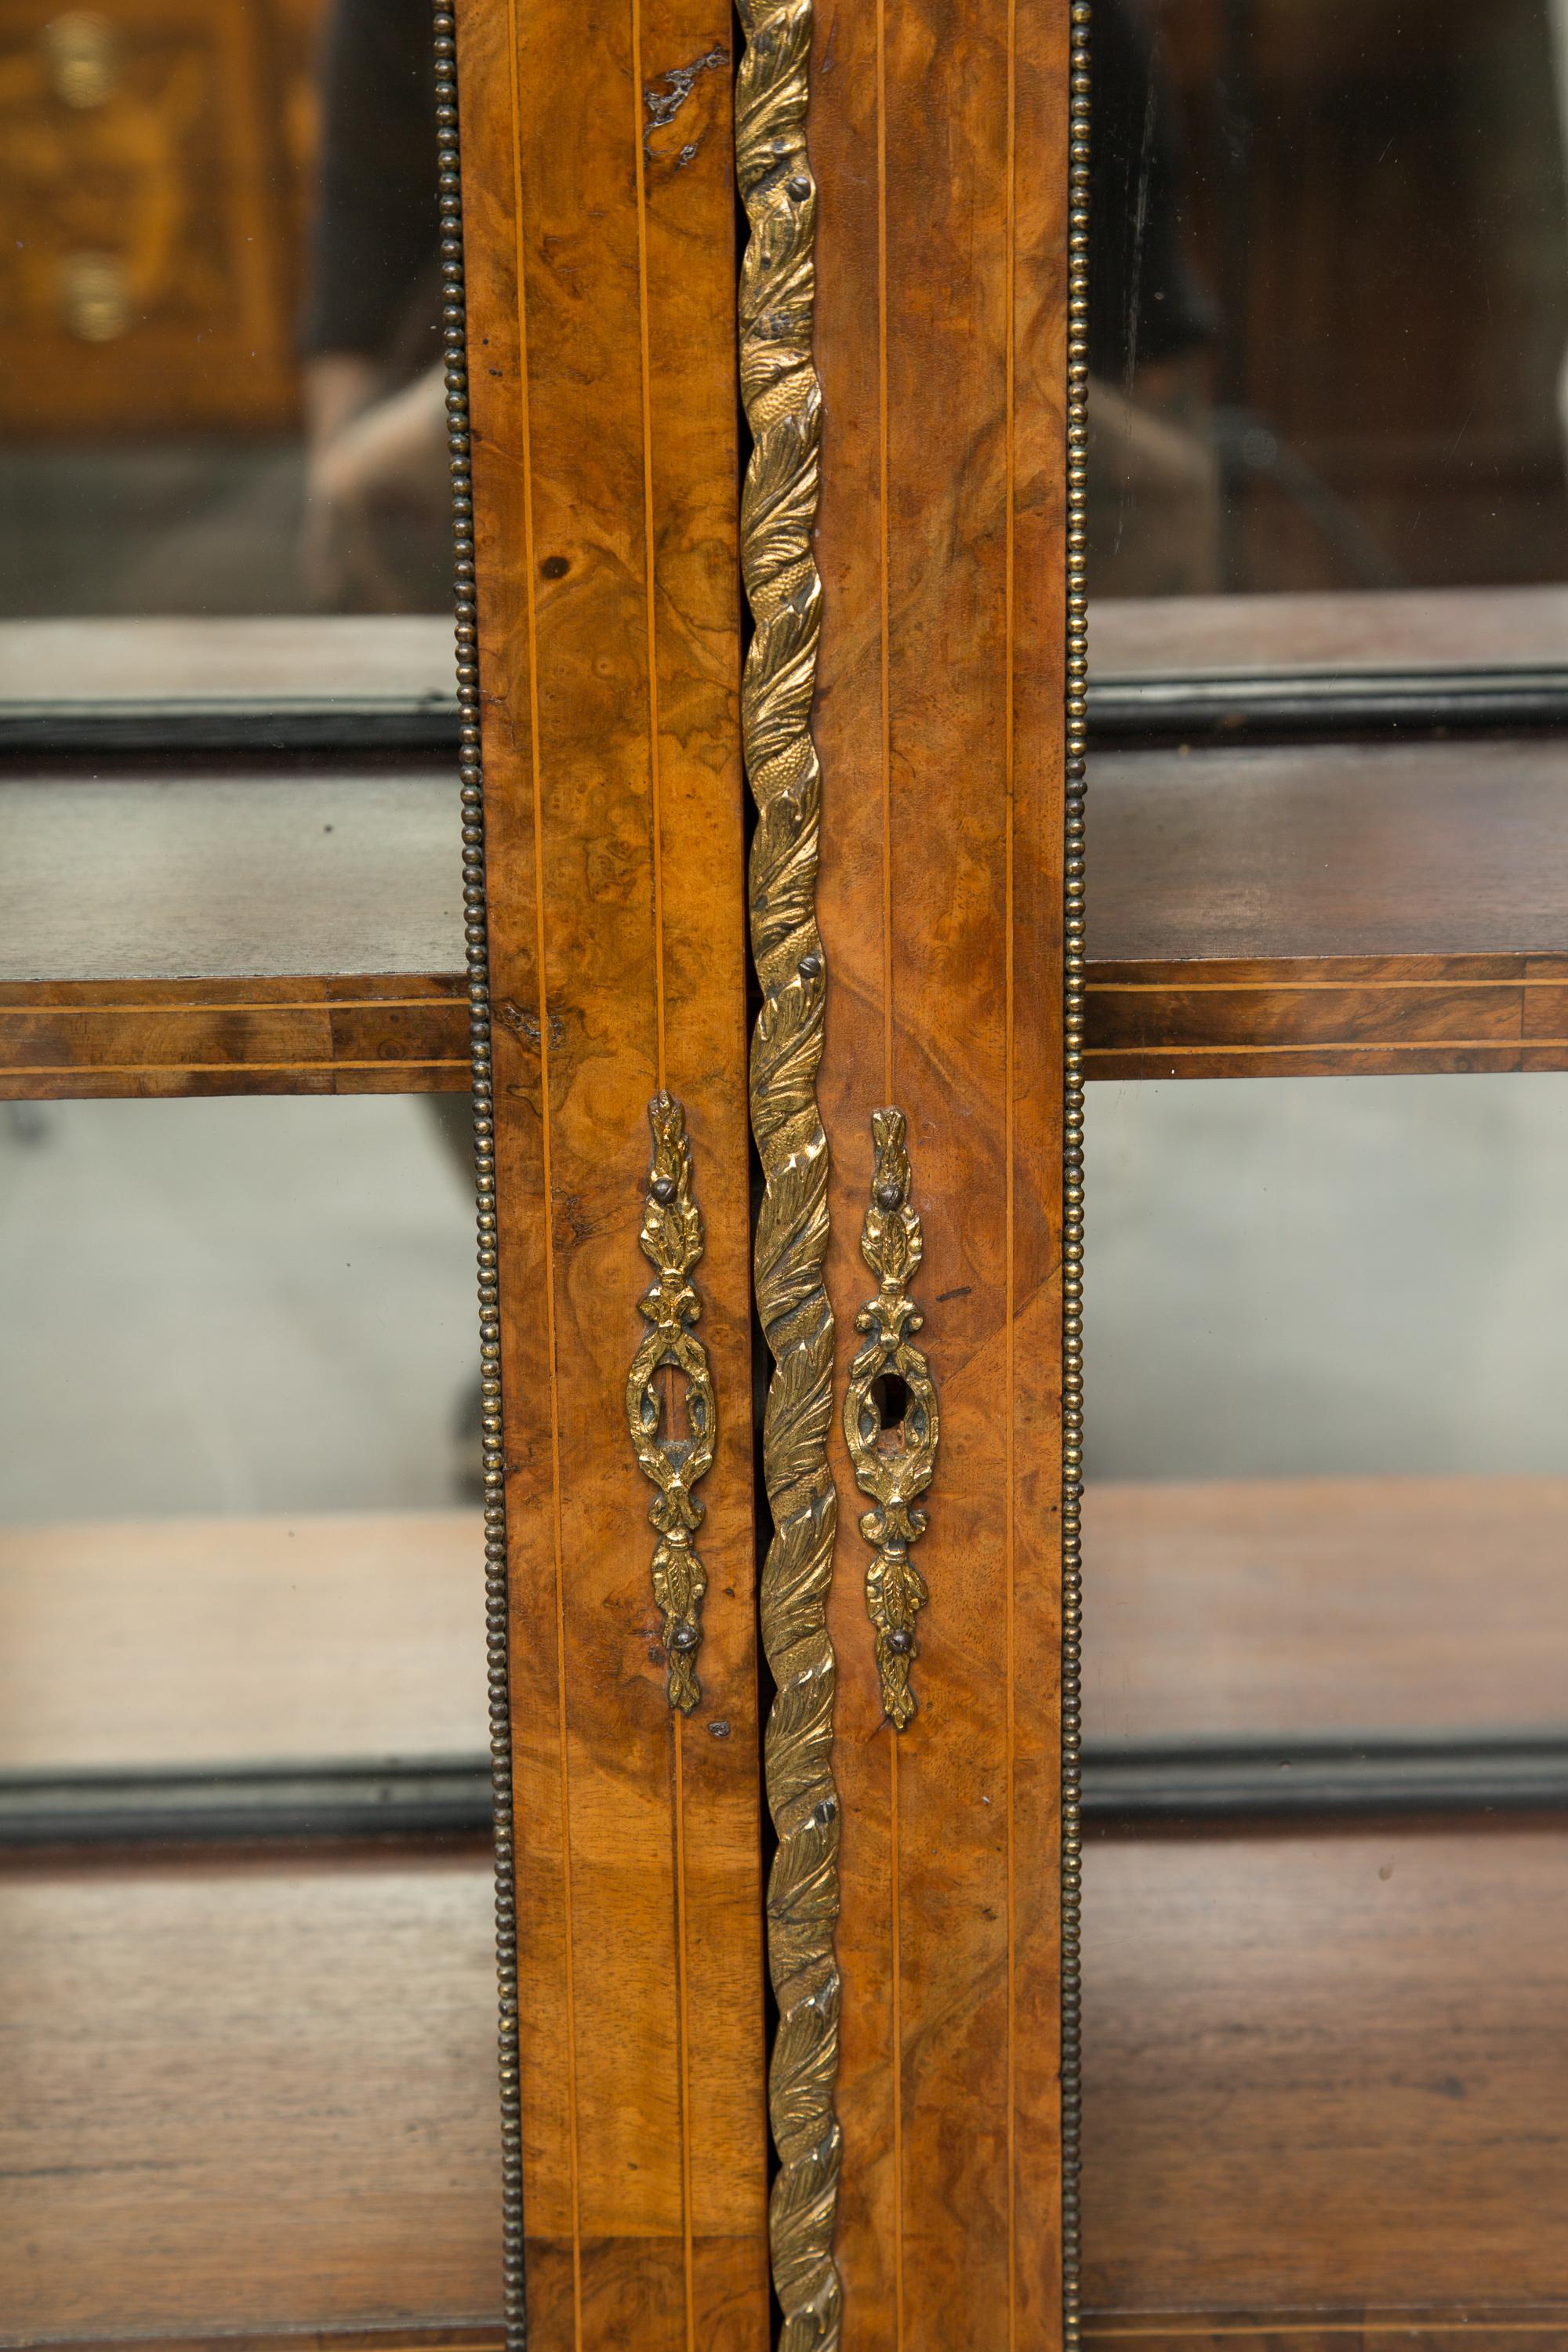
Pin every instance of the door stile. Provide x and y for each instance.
(939, 136)
(599, 249)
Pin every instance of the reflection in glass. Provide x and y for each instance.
(218, 311)
(1329, 295)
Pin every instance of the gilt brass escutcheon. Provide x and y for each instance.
(671, 1241)
(894, 1457)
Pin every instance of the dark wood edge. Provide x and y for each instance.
(1126, 1786)
(1197, 706)
(474, 2336)
(1286, 706)
(1428, 2329)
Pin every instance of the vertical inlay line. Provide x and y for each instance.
(655, 826)
(657, 822)
(548, 1177)
(1009, 1150)
(683, 1999)
(889, 1091)
(896, 1865)
(895, 1855)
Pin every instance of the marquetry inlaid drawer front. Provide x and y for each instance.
(154, 158)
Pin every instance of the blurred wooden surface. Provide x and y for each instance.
(1326, 2086)
(351, 661)
(231, 932)
(1328, 908)
(183, 1640)
(331, 661)
(247, 2095)
(1215, 1610)
(1252, 912)
(1325, 1604)
(220, 926)
(1327, 2094)
(1350, 630)
(227, 873)
(155, 162)
(1323, 2100)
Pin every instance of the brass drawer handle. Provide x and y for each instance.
(891, 1417)
(671, 1241)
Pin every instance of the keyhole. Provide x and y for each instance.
(890, 1401)
(670, 1388)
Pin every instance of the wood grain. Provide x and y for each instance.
(247, 2097)
(257, 2097)
(1324, 2078)
(938, 138)
(1350, 630)
(373, 1033)
(1323, 1605)
(599, 240)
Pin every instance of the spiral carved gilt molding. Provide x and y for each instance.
(782, 404)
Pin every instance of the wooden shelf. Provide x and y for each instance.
(221, 922)
(186, 1642)
(1296, 1607)
(248, 2096)
(1325, 909)
(1326, 2083)
(1325, 2078)
(333, 680)
(1326, 2090)
(233, 930)
(1378, 632)
(1307, 1606)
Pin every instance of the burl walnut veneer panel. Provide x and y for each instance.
(598, 185)
(938, 134)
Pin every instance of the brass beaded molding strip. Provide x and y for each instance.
(472, 779)
(1072, 1171)
(782, 403)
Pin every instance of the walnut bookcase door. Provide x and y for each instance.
(775, 499)
(598, 239)
(939, 136)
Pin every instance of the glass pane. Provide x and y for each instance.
(238, 1500)
(1326, 1663)
(1329, 296)
(219, 310)
(240, 1563)
(1329, 1460)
